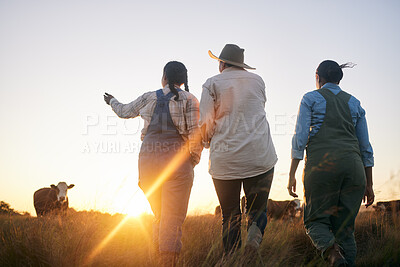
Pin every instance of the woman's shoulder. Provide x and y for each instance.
(312, 98)
(353, 100)
(312, 95)
(355, 106)
(185, 95)
(149, 95)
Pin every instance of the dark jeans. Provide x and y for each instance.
(256, 190)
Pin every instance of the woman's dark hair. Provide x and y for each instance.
(176, 73)
(331, 71)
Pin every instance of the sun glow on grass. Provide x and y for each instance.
(128, 199)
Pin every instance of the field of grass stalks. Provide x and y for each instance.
(77, 240)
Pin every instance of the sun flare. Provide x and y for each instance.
(125, 197)
(130, 200)
(132, 205)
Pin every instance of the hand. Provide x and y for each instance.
(292, 186)
(107, 98)
(369, 196)
(194, 160)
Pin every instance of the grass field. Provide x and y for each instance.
(77, 240)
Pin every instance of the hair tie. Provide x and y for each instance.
(348, 65)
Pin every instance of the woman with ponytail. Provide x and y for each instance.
(331, 126)
(171, 148)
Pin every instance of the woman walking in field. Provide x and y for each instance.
(235, 128)
(171, 148)
(331, 126)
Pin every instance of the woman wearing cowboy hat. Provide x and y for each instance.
(234, 126)
(331, 126)
(171, 148)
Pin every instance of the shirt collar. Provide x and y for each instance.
(233, 69)
(331, 86)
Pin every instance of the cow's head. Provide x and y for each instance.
(296, 204)
(61, 189)
(294, 207)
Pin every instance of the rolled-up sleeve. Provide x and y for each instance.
(302, 130)
(367, 153)
(192, 119)
(207, 114)
(130, 110)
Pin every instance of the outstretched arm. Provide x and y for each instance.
(126, 111)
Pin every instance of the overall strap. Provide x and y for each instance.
(161, 96)
(326, 93)
(161, 121)
(337, 133)
(344, 96)
(338, 102)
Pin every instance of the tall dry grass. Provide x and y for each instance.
(69, 241)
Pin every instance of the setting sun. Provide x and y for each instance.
(129, 199)
(135, 134)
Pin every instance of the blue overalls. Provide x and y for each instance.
(169, 201)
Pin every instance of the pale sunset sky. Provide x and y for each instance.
(57, 58)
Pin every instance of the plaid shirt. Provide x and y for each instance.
(184, 113)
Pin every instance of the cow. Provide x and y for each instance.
(282, 209)
(52, 199)
(275, 209)
(387, 206)
(218, 211)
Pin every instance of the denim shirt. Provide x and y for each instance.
(311, 116)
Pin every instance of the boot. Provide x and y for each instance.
(334, 256)
(254, 236)
(253, 241)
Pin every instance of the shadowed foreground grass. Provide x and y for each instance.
(69, 241)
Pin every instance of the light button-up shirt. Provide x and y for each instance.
(234, 125)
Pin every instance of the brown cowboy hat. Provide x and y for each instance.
(232, 54)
